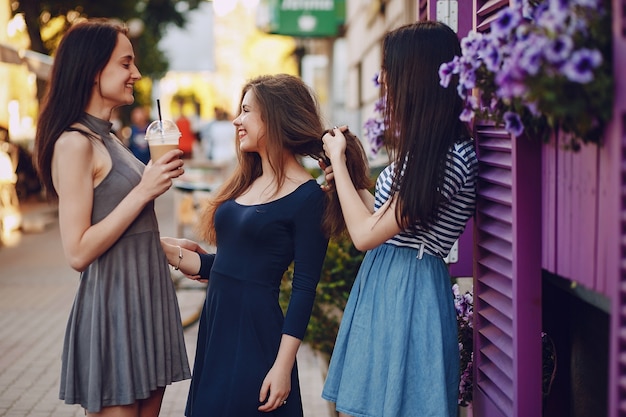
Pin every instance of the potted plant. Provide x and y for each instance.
(544, 67)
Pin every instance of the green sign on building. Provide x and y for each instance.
(302, 18)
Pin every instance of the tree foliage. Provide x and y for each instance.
(47, 21)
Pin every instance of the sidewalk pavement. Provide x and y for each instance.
(36, 292)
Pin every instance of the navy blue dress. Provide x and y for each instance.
(242, 323)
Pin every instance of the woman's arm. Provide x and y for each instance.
(367, 229)
(310, 247)
(184, 255)
(277, 383)
(76, 165)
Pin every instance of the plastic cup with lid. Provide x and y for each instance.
(162, 136)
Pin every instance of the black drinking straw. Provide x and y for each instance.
(159, 110)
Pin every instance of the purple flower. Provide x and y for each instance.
(537, 10)
(553, 19)
(510, 84)
(472, 43)
(531, 55)
(559, 6)
(522, 64)
(463, 92)
(513, 123)
(374, 128)
(506, 21)
(559, 49)
(379, 105)
(446, 70)
(533, 108)
(375, 79)
(492, 57)
(580, 66)
(467, 114)
(467, 79)
(592, 4)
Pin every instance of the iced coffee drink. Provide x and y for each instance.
(162, 137)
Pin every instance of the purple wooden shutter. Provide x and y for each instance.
(507, 289)
(507, 275)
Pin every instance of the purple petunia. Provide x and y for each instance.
(506, 21)
(510, 73)
(468, 110)
(513, 123)
(492, 57)
(375, 79)
(559, 49)
(374, 127)
(580, 66)
(446, 70)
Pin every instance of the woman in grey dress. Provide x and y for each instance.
(124, 341)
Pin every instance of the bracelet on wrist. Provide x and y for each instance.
(180, 258)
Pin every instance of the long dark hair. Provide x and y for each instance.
(293, 123)
(422, 116)
(83, 52)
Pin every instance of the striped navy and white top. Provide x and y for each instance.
(459, 190)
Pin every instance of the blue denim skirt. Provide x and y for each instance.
(396, 353)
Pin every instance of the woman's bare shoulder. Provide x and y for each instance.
(74, 143)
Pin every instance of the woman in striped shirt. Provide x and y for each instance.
(396, 353)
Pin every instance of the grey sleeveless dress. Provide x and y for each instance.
(124, 336)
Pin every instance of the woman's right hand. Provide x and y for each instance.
(334, 145)
(158, 175)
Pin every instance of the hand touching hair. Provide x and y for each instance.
(358, 168)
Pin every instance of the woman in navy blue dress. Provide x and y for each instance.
(271, 212)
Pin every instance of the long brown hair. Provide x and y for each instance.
(422, 116)
(293, 123)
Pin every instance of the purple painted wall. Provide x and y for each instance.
(582, 239)
(612, 247)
